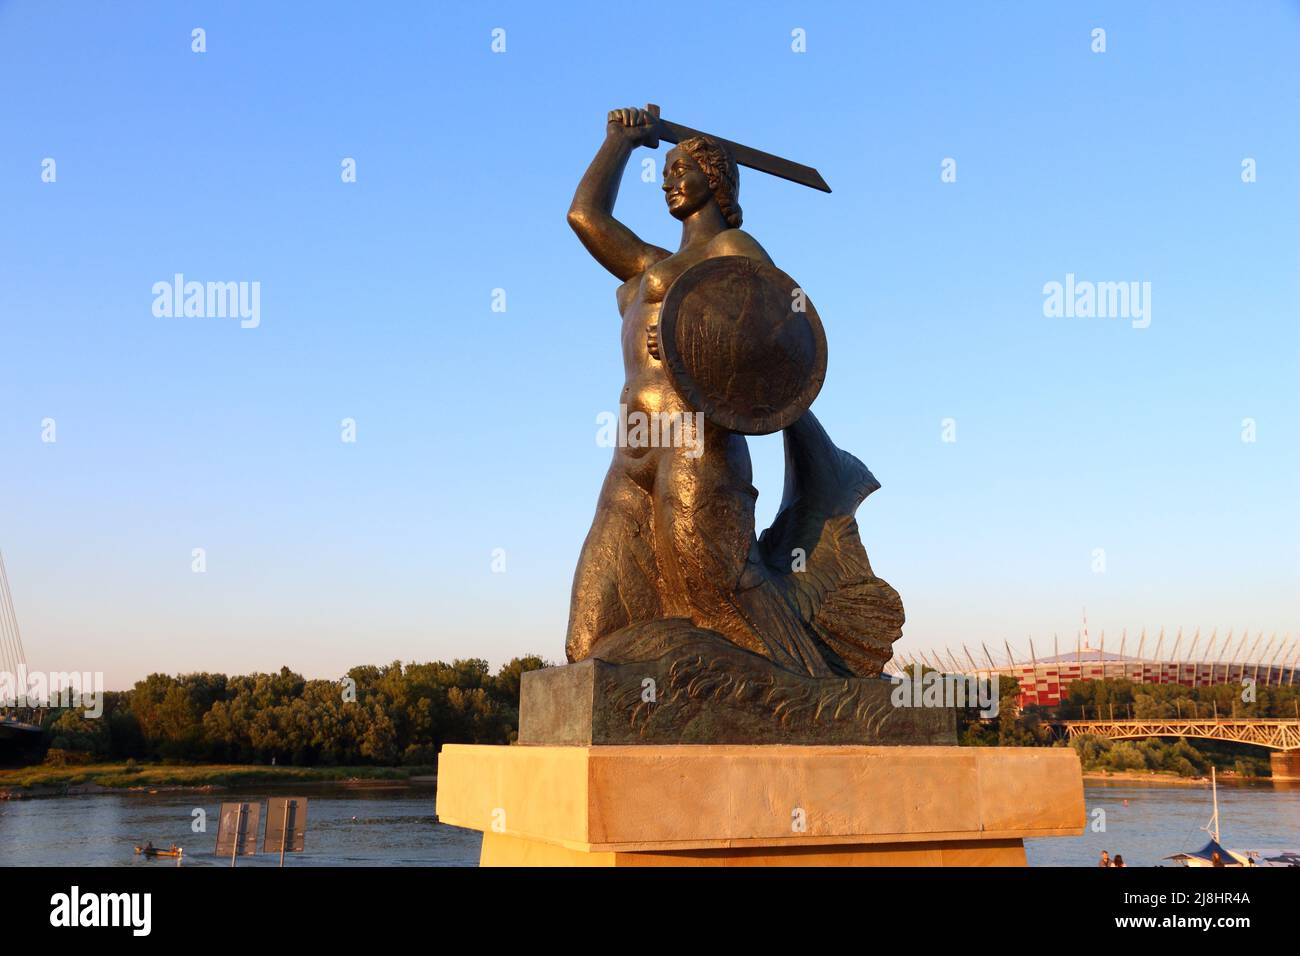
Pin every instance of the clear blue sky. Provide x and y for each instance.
(476, 430)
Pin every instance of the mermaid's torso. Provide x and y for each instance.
(646, 388)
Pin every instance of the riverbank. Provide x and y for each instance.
(47, 781)
(1163, 777)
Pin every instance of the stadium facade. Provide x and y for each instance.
(1045, 680)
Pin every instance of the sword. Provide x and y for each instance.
(744, 155)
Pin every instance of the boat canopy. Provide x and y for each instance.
(1206, 853)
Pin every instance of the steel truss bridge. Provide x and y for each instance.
(1275, 733)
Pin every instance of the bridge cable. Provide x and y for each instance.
(15, 655)
(8, 652)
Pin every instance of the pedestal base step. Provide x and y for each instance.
(502, 850)
(683, 805)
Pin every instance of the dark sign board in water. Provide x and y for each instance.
(286, 825)
(237, 830)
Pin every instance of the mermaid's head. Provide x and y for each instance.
(698, 170)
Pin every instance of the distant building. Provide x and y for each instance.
(1046, 680)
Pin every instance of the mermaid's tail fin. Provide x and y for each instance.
(814, 549)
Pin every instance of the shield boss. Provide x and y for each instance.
(742, 344)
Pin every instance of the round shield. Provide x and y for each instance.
(742, 344)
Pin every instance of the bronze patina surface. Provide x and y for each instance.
(672, 569)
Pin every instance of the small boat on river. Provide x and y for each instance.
(150, 850)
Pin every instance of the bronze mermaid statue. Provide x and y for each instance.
(672, 559)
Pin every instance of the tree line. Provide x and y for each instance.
(396, 714)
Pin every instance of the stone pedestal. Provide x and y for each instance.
(708, 699)
(759, 805)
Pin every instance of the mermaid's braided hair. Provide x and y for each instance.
(716, 162)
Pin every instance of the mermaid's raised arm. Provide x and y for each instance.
(612, 244)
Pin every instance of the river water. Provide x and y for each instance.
(362, 825)
(1146, 822)
(393, 825)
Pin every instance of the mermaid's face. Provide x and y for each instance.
(685, 187)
